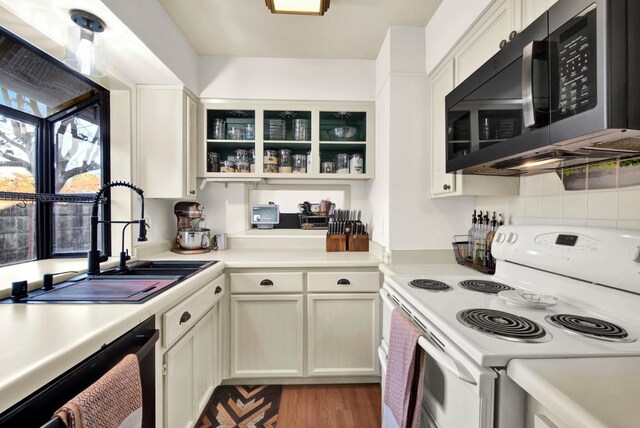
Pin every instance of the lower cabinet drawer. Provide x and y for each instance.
(348, 282)
(181, 318)
(268, 282)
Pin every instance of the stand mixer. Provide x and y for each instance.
(190, 239)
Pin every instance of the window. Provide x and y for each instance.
(53, 155)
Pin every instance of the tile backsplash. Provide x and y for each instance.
(543, 200)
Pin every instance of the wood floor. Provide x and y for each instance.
(330, 406)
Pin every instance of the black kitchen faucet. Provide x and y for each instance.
(93, 255)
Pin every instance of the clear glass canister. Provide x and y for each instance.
(227, 166)
(271, 157)
(356, 164)
(242, 155)
(252, 160)
(284, 158)
(242, 166)
(235, 132)
(217, 129)
(249, 131)
(270, 168)
(299, 163)
(342, 163)
(213, 162)
(300, 128)
(328, 167)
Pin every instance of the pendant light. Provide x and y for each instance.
(298, 7)
(84, 48)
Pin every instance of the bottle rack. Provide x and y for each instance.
(461, 251)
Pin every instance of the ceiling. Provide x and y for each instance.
(350, 29)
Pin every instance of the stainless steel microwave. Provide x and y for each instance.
(564, 92)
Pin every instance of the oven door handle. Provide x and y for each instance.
(445, 361)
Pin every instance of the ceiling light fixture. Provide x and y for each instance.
(298, 7)
(84, 48)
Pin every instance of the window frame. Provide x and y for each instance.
(44, 171)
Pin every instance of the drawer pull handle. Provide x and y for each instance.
(344, 281)
(218, 290)
(186, 316)
(266, 283)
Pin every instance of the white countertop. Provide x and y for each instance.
(584, 392)
(41, 341)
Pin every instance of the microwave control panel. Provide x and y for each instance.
(575, 44)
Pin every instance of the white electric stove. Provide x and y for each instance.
(558, 292)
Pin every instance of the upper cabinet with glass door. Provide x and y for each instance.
(286, 140)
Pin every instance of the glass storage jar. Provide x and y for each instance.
(284, 158)
(328, 168)
(227, 166)
(300, 163)
(342, 163)
(213, 162)
(271, 157)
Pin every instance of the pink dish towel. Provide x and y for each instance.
(405, 372)
(113, 401)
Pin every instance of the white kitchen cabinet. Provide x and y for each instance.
(343, 334)
(178, 388)
(267, 335)
(191, 364)
(205, 359)
(531, 9)
(483, 39)
(255, 125)
(167, 142)
(481, 42)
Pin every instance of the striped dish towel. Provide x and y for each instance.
(405, 371)
(113, 401)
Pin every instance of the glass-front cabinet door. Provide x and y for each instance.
(343, 137)
(231, 141)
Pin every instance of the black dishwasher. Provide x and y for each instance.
(37, 409)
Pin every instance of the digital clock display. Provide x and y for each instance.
(567, 240)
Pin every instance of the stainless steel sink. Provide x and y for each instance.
(141, 281)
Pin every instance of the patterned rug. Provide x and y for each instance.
(242, 406)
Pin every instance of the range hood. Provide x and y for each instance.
(564, 93)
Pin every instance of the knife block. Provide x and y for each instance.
(336, 243)
(358, 243)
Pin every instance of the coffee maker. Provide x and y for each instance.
(190, 238)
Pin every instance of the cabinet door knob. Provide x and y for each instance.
(186, 316)
(503, 43)
(266, 283)
(512, 35)
(446, 187)
(344, 281)
(218, 290)
(192, 192)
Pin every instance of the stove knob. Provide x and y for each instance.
(512, 238)
(635, 255)
(500, 238)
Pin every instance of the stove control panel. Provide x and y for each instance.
(588, 254)
(567, 242)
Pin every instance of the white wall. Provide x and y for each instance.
(543, 200)
(153, 26)
(448, 25)
(286, 79)
(405, 216)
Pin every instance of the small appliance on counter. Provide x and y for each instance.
(264, 216)
(190, 238)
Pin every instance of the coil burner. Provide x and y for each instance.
(503, 325)
(482, 286)
(430, 285)
(590, 327)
